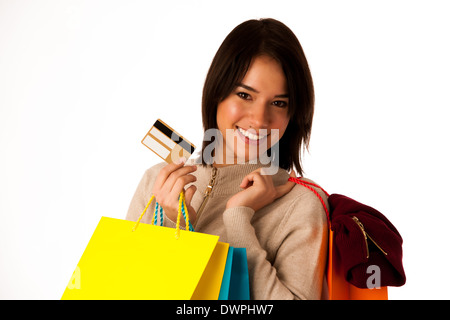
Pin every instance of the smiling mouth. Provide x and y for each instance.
(252, 136)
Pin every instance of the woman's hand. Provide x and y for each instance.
(259, 191)
(169, 183)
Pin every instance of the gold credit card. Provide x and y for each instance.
(168, 144)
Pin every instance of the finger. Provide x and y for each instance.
(189, 193)
(292, 174)
(165, 172)
(285, 188)
(170, 181)
(179, 185)
(174, 175)
(245, 182)
(249, 179)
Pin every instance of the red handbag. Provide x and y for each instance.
(352, 263)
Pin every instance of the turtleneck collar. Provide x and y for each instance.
(228, 178)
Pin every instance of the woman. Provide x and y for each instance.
(259, 95)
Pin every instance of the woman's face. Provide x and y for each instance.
(255, 115)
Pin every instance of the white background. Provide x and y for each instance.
(81, 82)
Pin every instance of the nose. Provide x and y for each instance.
(259, 116)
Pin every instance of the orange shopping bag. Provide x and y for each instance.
(339, 288)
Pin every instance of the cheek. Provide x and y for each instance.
(281, 124)
(228, 113)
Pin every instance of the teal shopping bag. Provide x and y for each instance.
(235, 282)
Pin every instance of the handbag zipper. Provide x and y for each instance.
(366, 235)
(206, 194)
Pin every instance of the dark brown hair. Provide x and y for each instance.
(230, 64)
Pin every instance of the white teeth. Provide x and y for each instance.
(250, 135)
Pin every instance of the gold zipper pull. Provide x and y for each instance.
(385, 253)
(361, 226)
(207, 193)
(211, 182)
(366, 235)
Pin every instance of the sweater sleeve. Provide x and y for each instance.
(142, 196)
(298, 267)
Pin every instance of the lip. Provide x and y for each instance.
(247, 140)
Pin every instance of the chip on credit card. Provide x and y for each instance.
(168, 144)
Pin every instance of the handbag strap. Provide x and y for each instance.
(182, 210)
(310, 185)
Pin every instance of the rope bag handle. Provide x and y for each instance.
(308, 185)
(182, 211)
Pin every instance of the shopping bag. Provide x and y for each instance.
(338, 286)
(122, 261)
(235, 282)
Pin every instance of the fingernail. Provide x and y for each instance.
(181, 160)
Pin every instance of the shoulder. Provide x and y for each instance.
(155, 169)
(148, 179)
(307, 202)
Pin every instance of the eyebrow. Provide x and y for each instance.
(284, 95)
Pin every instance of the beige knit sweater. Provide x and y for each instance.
(286, 241)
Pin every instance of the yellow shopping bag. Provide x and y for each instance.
(122, 261)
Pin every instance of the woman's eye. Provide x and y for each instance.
(280, 104)
(243, 95)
